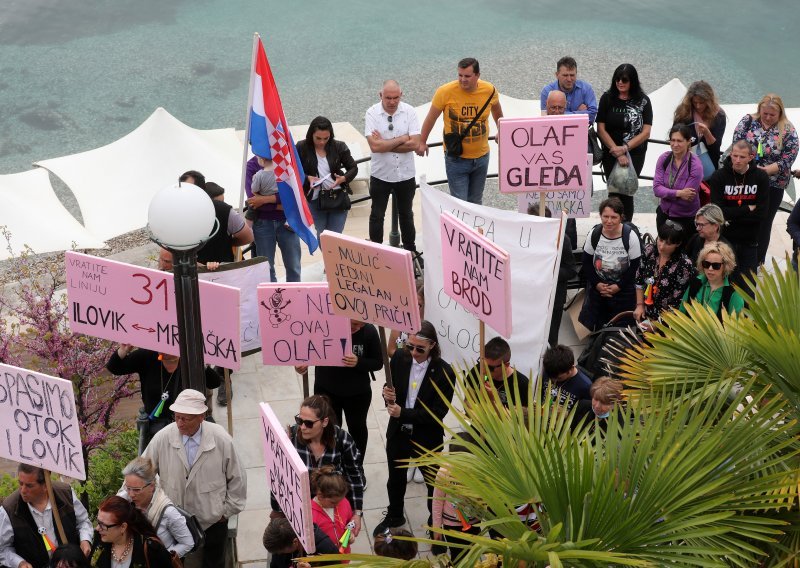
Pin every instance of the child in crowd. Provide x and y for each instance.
(446, 513)
(264, 183)
(283, 545)
(329, 508)
(387, 545)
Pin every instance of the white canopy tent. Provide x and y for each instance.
(35, 217)
(115, 183)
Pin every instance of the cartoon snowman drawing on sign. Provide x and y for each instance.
(276, 307)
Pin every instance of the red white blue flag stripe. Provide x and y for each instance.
(270, 138)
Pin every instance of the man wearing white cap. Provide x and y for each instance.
(200, 471)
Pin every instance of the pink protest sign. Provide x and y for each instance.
(477, 274)
(543, 153)
(39, 423)
(576, 203)
(298, 326)
(288, 477)
(130, 304)
(371, 282)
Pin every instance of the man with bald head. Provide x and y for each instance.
(392, 131)
(556, 103)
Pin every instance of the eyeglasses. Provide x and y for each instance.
(417, 348)
(307, 423)
(673, 225)
(104, 527)
(701, 225)
(136, 490)
(712, 265)
(495, 367)
(622, 80)
(391, 126)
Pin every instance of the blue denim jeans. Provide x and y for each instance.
(330, 220)
(268, 233)
(466, 177)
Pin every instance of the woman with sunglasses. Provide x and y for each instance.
(709, 221)
(624, 118)
(328, 165)
(664, 273)
(775, 141)
(712, 288)
(127, 540)
(423, 384)
(142, 488)
(319, 441)
(677, 181)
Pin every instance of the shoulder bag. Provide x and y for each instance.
(453, 140)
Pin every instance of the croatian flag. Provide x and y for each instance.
(270, 138)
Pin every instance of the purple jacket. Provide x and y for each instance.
(268, 210)
(689, 175)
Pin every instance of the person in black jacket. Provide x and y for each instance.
(328, 165)
(348, 387)
(159, 380)
(414, 405)
(742, 192)
(282, 543)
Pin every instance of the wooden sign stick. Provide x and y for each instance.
(226, 374)
(385, 354)
(54, 506)
(482, 338)
(305, 384)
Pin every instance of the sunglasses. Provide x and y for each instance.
(391, 126)
(104, 527)
(418, 348)
(495, 367)
(673, 225)
(307, 423)
(622, 80)
(712, 265)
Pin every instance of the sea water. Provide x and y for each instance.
(75, 75)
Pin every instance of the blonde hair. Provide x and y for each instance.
(784, 126)
(726, 252)
(606, 390)
(684, 112)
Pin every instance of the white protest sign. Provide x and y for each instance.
(246, 276)
(531, 242)
(39, 423)
(288, 477)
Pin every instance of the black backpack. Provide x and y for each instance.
(727, 293)
(626, 234)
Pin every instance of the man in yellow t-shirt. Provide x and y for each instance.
(460, 101)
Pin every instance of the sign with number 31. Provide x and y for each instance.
(130, 304)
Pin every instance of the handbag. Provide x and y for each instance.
(594, 142)
(453, 141)
(198, 535)
(333, 200)
(174, 558)
(701, 152)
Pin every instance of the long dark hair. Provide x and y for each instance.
(428, 331)
(626, 70)
(125, 511)
(322, 407)
(319, 123)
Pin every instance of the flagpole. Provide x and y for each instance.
(246, 145)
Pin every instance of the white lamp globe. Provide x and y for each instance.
(181, 216)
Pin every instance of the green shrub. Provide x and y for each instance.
(105, 467)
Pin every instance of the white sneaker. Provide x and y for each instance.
(410, 474)
(418, 477)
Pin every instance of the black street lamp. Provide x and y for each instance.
(181, 220)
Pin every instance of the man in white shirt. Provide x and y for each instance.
(26, 520)
(392, 130)
(200, 471)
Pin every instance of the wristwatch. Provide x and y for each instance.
(358, 513)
